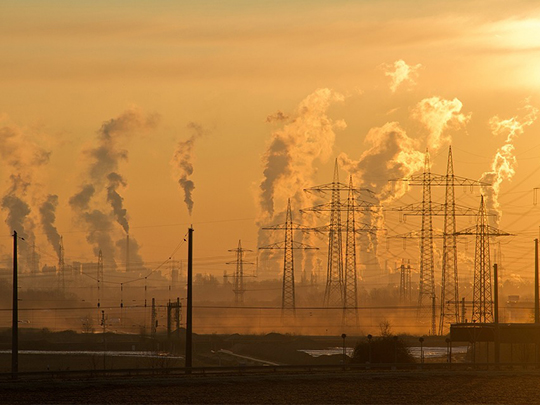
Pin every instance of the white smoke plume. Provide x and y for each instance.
(399, 73)
(22, 160)
(391, 154)
(182, 163)
(47, 212)
(305, 138)
(101, 185)
(437, 115)
(503, 166)
(116, 200)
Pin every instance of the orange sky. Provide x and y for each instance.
(69, 67)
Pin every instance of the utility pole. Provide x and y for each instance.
(15, 314)
(496, 321)
(288, 298)
(153, 325)
(482, 291)
(104, 326)
(536, 295)
(536, 285)
(100, 277)
(189, 311)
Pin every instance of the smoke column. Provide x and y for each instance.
(48, 218)
(288, 163)
(183, 166)
(103, 181)
(116, 201)
(306, 137)
(22, 159)
(504, 161)
(437, 115)
(391, 154)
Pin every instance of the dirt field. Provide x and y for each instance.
(399, 387)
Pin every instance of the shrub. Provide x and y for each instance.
(384, 349)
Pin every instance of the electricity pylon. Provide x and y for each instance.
(449, 271)
(427, 209)
(350, 298)
(335, 291)
(482, 293)
(405, 290)
(288, 299)
(239, 273)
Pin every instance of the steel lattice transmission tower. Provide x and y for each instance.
(288, 299)
(428, 209)
(334, 291)
(350, 298)
(239, 273)
(427, 265)
(482, 293)
(449, 276)
(405, 282)
(336, 285)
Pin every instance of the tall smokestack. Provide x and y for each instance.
(127, 253)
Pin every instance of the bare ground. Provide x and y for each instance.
(398, 387)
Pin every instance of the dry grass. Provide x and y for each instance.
(399, 387)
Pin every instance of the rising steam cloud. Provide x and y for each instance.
(399, 73)
(99, 204)
(48, 217)
(182, 163)
(22, 159)
(504, 162)
(437, 115)
(116, 200)
(392, 154)
(305, 138)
